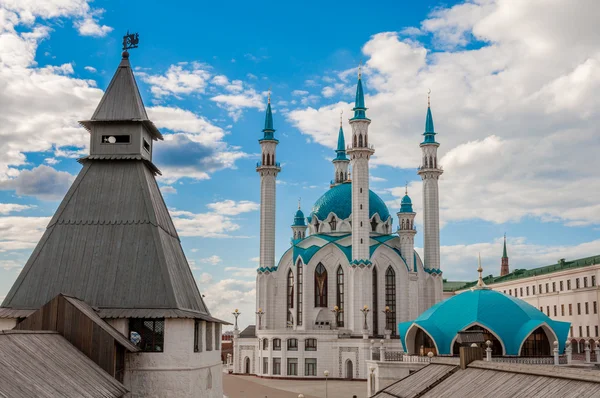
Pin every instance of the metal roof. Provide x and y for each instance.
(42, 364)
(250, 331)
(414, 384)
(112, 244)
(338, 200)
(122, 101)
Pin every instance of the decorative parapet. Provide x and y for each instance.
(433, 271)
(361, 263)
(266, 270)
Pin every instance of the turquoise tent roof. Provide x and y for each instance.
(429, 130)
(406, 205)
(338, 200)
(341, 146)
(359, 102)
(299, 219)
(268, 130)
(509, 318)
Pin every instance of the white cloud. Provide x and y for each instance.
(233, 208)
(21, 232)
(43, 182)
(168, 189)
(217, 223)
(241, 272)
(89, 26)
(7, 208)
(90, 69)
(300, 93)
(214, 260)
(517, 139)
(459, 262)
(219, 297)
(181, 79)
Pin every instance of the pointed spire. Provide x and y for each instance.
(341, 145)
(268, 130)
(480, 283)
(122, 101)
(359, 102)
(429, 129)
(504, 255)
(299, 199)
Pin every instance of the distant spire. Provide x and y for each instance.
(268, 130)
(429, 129)
(359, 102)
(504, 267)
(341, 145)
(504, 255)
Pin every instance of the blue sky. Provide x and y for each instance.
(512, 97)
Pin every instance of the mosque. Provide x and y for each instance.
(352, 277)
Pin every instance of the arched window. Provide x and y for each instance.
(263, 159)
(339, 296)
(316, 226)
(402, 225)
(276, 344)
(320, 286)
(360, 141)
(375, 304)
(537, 344)
(265, 344)
(290, 298)
(487, 335)
(310, 345)
(435, 163)
(355, 141)
(390, 299)
(299, 301)
(333, 223)
(430, 161)
(373, 225)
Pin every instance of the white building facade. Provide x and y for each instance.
(347, 277)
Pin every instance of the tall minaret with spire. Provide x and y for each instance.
(360, 152)
(406, 230)
(268, 169)
(430, 172)
(504, 270)
(341, 161)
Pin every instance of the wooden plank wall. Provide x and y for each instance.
(61, 316)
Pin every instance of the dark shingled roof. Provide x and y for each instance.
(43, 364)
(111, 242)
(250, 331)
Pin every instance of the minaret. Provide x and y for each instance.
(299, 225)
(341, 161)
(268, 170)
(360, 152)
(430, 172)
(406, 230)
(504, 267)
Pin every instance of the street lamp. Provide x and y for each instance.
(365, 310)
(236, 313)
(387, 313)
(336, 312)
(260, 313)
(326, 373)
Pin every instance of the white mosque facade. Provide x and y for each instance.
(348, 277)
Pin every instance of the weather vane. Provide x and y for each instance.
(130, 41)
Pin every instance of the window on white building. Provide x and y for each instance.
(593, 280)
(547, 287)
(585, 281)
(300, 270)
(310, 345)
(209, 337)
(570, 309)
(320, 286)
(571, 331)
(292, 367)
(553, 286)
(151, 331)
(560, 285)
(310, 367)
(527, 290)
(595, 306)
(540, 290)
(548, 310)
(218, 336)
(587, 308)
(510, 292)
(587, 331)
(521, 291)
(577, 283)
(596, 330)
(276, 366)
(580, 331)
(533, 287)
(578, 308)
(562, 310)
(276, 344)
(265, 365)
(569, 284)
(339, 296)
(541, 309)
(290, 298)
(292, 344)
(265, 344)
(390, 299)
(197, 335)
(555, 311)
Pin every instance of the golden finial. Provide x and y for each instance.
(406, 188)
(360, 69)
(480, 283)
(299, 203)
(269, 96)
(341, 114)
(429, 98)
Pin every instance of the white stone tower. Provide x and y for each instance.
(341, 161)
(430, 172)
(268, 169)
(360, 152)
(407, 231)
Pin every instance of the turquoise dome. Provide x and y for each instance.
(406, 205)
(299, 219)
(338, 200)
(509, 318)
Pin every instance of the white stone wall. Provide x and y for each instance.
(564, 297)
(178, 371)
(267, 218)
(332, 354)
(8, 323)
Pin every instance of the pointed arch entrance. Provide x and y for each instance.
(349, 369)
(247, 365)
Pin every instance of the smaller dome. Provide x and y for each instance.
(406, 205)
(299, 220)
